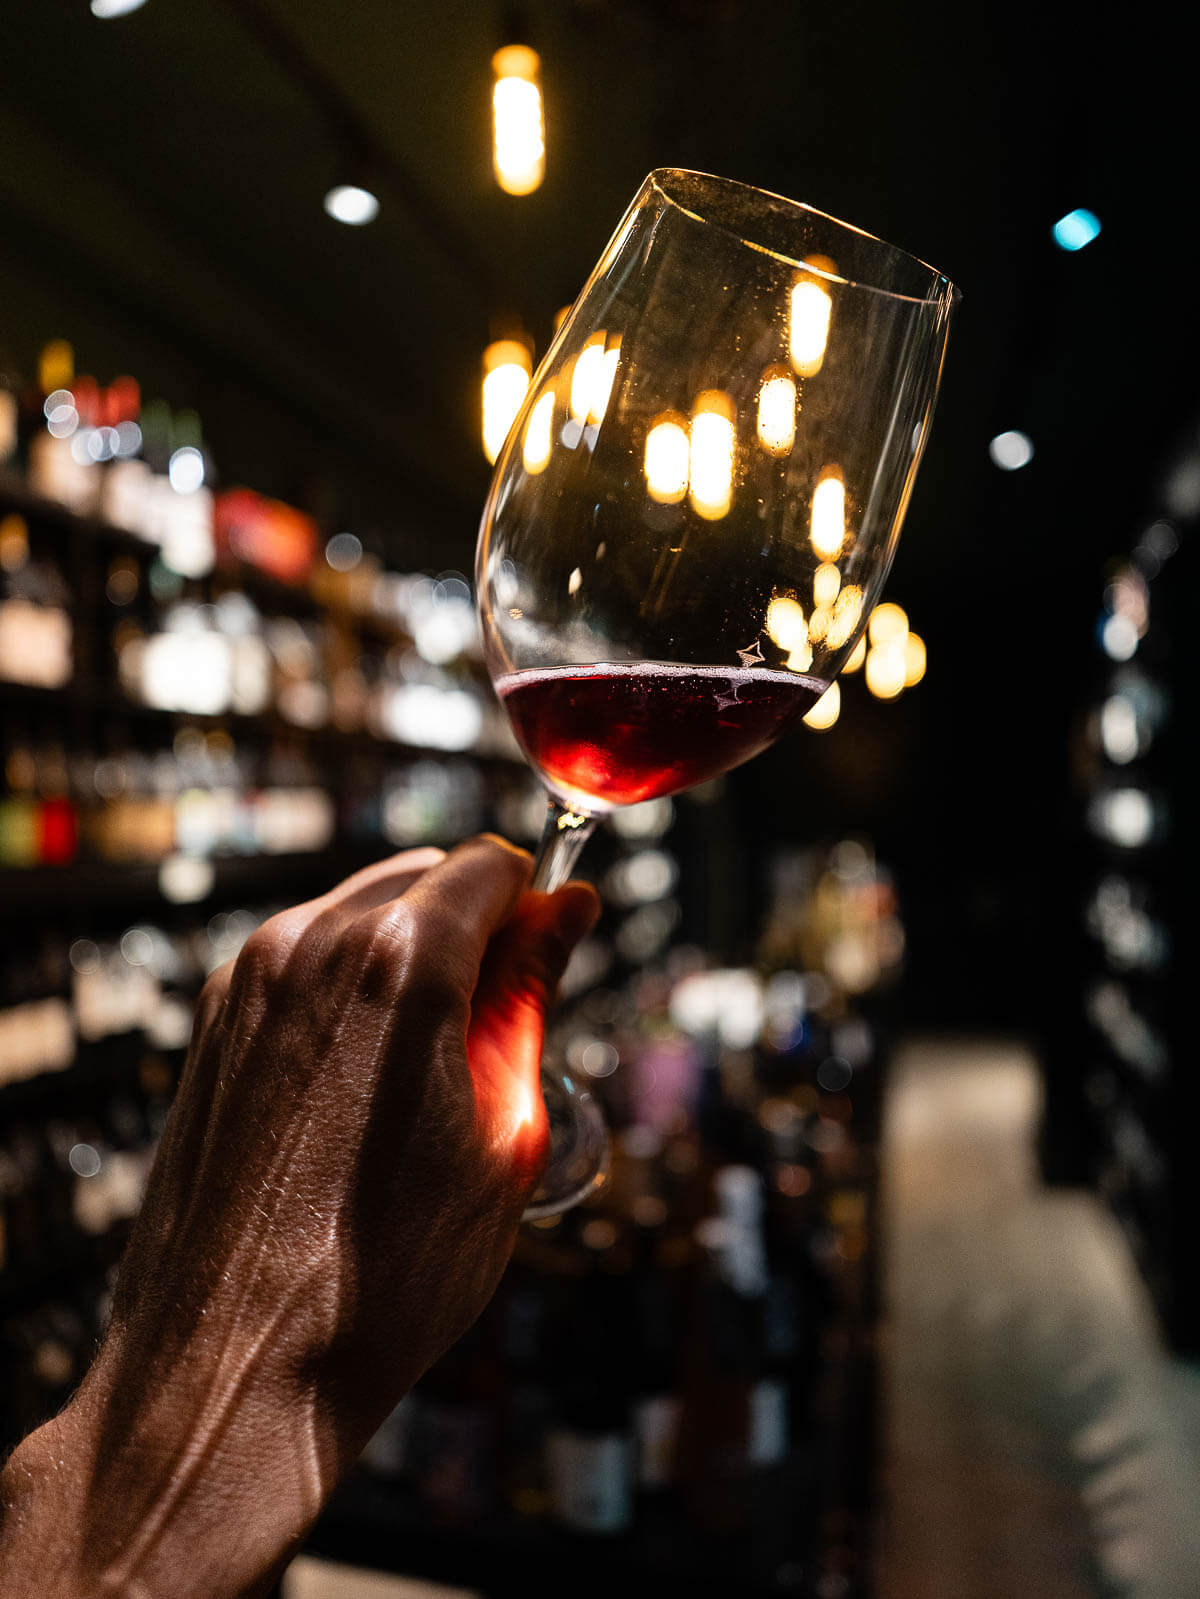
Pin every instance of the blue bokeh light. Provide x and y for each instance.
(1076, 229)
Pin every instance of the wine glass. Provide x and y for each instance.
(694, 513)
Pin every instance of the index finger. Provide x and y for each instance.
(468, 896)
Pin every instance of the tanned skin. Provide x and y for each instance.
(356, 1133)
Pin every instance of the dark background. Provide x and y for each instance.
(160, 206)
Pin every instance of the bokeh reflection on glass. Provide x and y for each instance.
(695, 511)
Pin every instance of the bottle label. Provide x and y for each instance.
(767, 1440)
(656, 1426)
(590, 1480)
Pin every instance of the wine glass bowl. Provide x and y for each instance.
(699, 501)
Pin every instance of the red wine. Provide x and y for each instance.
(615, 733)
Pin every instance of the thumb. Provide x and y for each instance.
(526, 959)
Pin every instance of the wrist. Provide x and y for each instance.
(159, 1484)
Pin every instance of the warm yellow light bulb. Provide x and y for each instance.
(666, 461)
(810, 310)
(827, 709)
(914, 660)
(884, 670)
(828, 525)
(776, 424)
(888, 622)
(535, 451)
(518, 120)
(857, 656)
(506, 373)
(712, 455)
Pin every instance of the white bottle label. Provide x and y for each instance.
(590, 1480)
(767, 1440)
(656, 1426)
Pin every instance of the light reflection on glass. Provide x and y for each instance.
(587, 381)
(712, 452)
(828, 526)
(535, 451)
(847, 609)
(666, 462)
(507, 368)
(777, 411)
(827, 580)
(808, 325)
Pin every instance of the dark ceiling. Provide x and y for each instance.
(160, 205)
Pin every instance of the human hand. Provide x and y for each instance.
(356, 1134)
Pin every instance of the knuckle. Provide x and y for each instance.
(268, 952)
(213, 995)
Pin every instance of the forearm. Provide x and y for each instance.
(198, 1490)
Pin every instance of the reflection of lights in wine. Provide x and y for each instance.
(575, 581)
(847, 609)
(828, 527)
(666, 464)
(506, 369)
(808, 326)
(777, 411)
(518, 124)
(888, 623)
(1011, 451)
(535, 452)
(914, 660)
(827, 580)
(827, 709)
(885, 670)
(712, 448)
(587, 379)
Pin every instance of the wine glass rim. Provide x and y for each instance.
(942, 287)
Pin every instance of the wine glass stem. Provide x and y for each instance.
(563, 837)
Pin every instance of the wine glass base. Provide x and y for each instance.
(579, 1148)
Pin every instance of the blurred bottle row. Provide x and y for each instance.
(661, 1362)
(1120, 1096)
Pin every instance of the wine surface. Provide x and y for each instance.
(616, 733)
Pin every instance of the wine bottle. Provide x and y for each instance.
(589, 1447)
(454, 1431)
(657, 1325)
